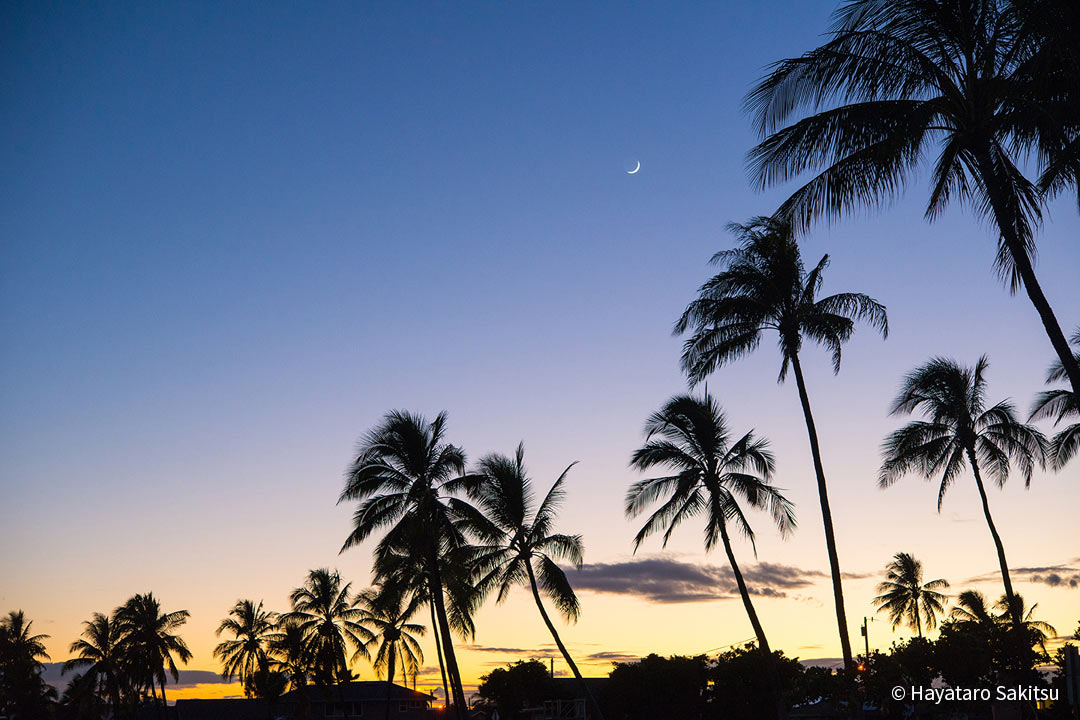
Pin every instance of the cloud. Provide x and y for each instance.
(667, 580)
(1064, 575)
(609, 656)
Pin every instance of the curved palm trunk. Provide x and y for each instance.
(763, 644)
(1000, 206)
(826, 515)
(448, 644)
(559, 643)
(997, 538)
(439, 653)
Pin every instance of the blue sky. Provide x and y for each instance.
(233, 235)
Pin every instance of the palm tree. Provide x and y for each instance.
(689, 437)
(1038, 631)
(324, 610)
(22, 653)
(972, 611)
(900, 80)
(99, 651)
(148, 640)
(764, 287)
(1059, 404)
(290, 653)
(960, 430)
(405, 474)
(246, 655)
(385, 612)
(522, 548)
(907, 598)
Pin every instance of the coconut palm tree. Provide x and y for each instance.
(148, 641)
(247, 653)
(762, 287)
(959, 80)
(971, 610)
(406, 474)
(1038, 631)
(23, 692)
(290, 654)
(520, 546)
(1059, 404)
(905, 596)
(709, 475)
(99, 651)
(960, 431)
(325, 611)
(386, 614)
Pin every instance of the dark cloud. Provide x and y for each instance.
(54, 675)
(1064, 575)
(612, 657)
(666, 580)
(501, 650)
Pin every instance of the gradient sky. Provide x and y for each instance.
(232, 237)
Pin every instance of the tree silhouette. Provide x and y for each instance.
(521, 547)
(964, 79)
(100, 652)
(905, 596)
(709, 475)
(148, 640)
(764, 286)
(246, 655)
(960, 431)
(386, 614)
(1060, 404)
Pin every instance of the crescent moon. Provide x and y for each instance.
(631, 172)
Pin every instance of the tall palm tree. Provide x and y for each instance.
(406, 474)
(325, 611)
(905, 596)
(246, 655)
(289, 653)
(521, 547)
(387, 615)
(1060, 404)
(901, 80)
(960, 431)
(762, 287)
(689, 437)
(149, 641)
(99, 651)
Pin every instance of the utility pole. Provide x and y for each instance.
(866, 636)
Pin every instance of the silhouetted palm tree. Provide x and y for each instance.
(405, 474)
(247, 653)
(905, 596)
(521, 548)
(1038, 630)
(971, 610)
(709, 475)
(290, 654)
(324, 610)
(149, 641)
(1060, 404)
(961, 430)
(386, 614)
(99, 651)
(22, 689)
(764, 287)
(901, 80)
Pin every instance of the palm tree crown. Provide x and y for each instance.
(150, 639)
(763, 285)
(324, 610)
(247, 653)
(907, 598)
(1059, 404)
(99, 651)
(387, 615)
(963, 80)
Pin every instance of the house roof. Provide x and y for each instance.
(360, 690)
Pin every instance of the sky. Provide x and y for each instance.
(232, 236)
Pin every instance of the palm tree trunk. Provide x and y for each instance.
(1000, 206)
(763, 644)
(438, 651)
(435, 590)
(826, 515)
(997, 538)
(390, 679)
(558, 641)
